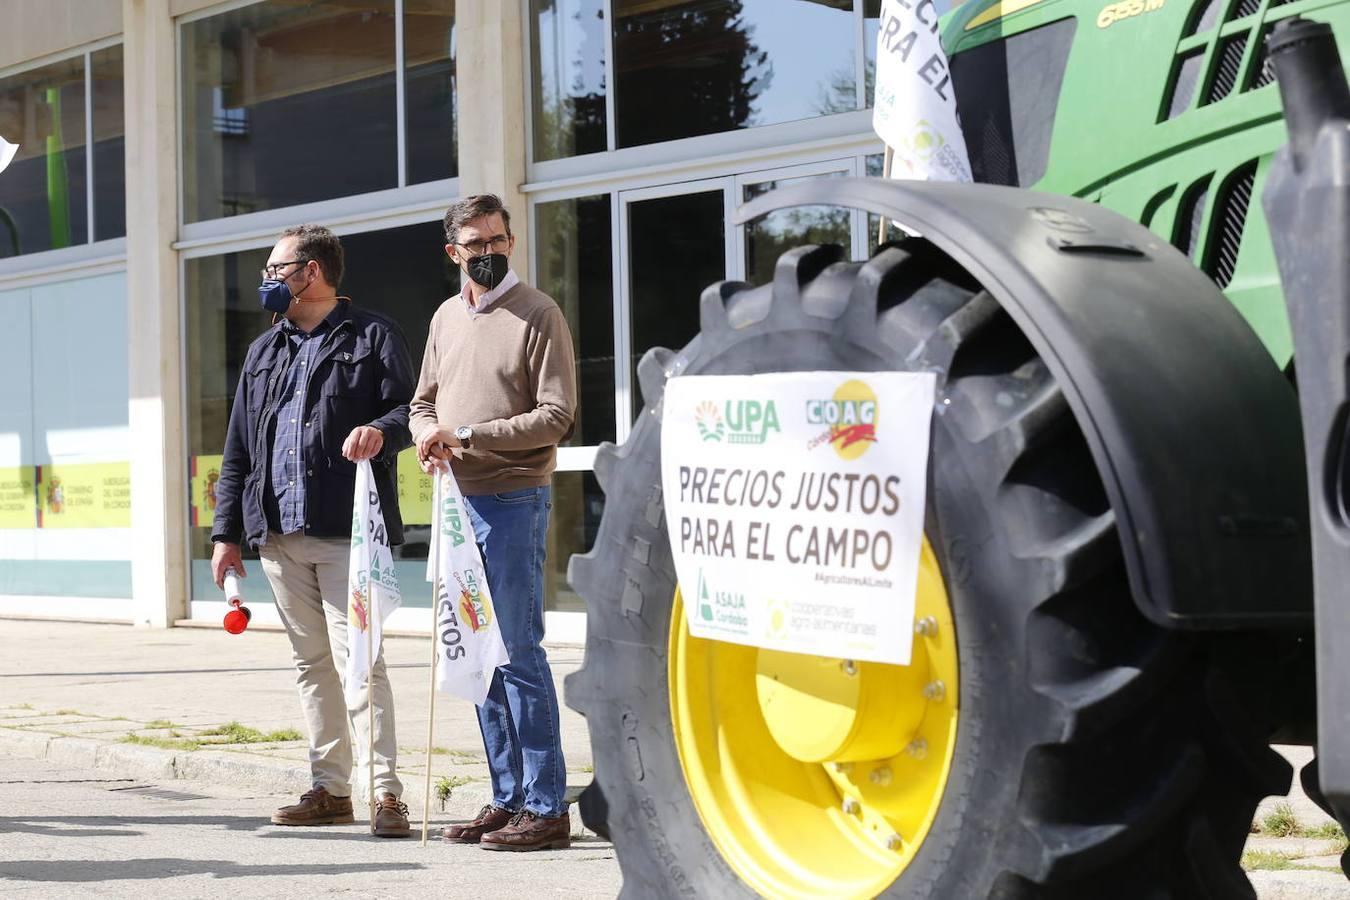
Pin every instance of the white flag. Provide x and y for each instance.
(7, 151)
(915, 107)
(372, 584)
(469, 644)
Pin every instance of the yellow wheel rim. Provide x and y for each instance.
(817, 777)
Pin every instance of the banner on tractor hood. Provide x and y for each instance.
(795, 503)
(915, 107)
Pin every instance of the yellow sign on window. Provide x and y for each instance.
(204, 475)
(84, 495)
(18, 498)
(414, 490)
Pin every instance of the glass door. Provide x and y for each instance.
(675, 241)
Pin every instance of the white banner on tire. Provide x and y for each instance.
(794, 504)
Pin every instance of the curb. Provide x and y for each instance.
(155, 764)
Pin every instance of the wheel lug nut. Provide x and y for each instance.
(851, 806)
(935, 691)
(927, 627)
(894, 842)
(880, 775)
(849, 667)
(918, 748)
(843, 767)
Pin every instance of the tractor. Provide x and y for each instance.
(1135, 538)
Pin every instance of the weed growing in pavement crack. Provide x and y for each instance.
(446, 784)
(1281, 821)
(234, 733)
(162, 743)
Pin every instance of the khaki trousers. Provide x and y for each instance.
(309, 577)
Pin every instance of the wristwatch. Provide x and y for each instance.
(464, 434)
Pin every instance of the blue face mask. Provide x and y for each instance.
(275, 296)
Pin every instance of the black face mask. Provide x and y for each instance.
(488, 270)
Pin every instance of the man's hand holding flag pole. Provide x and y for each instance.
(372, 594)
(467, 646)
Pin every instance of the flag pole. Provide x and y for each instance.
(885, 173)
(433, 552)
(431, 710)
(371, 612)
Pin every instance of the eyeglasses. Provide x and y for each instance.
(270, 270)
(492, 245)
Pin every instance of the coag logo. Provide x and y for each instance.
(739, 421)
(474, 610)
(851, 415)
(356, 607)
(924, 140)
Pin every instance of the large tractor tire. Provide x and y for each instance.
(1047, 740)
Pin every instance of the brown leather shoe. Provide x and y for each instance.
(391, 818)
(316, 807)
(527, 831)
(489, 818)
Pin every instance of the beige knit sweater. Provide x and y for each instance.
(508, 373)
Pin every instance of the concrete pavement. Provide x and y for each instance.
(153, 706)
(69, 832)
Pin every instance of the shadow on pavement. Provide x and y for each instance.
(80, 826)
(82, 870)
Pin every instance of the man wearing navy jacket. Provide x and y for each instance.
(325, 387)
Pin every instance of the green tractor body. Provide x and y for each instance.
(1165, 111)
(1118, 542)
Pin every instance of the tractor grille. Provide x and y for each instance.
(1183, 83)
(1261, 72)
(1210, 67)
(1186, 233)
(1214, 247)
(1225, 231)
(1226, 69)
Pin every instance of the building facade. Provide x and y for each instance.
(165, 143)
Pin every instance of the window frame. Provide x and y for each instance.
(398, 201)
(42, 266)
(744, 140)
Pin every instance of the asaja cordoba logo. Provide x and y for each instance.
(851, 415)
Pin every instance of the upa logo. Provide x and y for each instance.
(851, 415)
(738, 421)
(709, 421)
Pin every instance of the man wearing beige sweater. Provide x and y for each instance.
(496, 394)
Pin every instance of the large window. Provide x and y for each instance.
(567, 45)
(272, 90)
(722, 66)
(683, 68)
(47, 195)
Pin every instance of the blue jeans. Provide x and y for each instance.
(519, 719)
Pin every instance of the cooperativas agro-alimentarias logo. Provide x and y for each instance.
(738, 421)
(851, 415)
